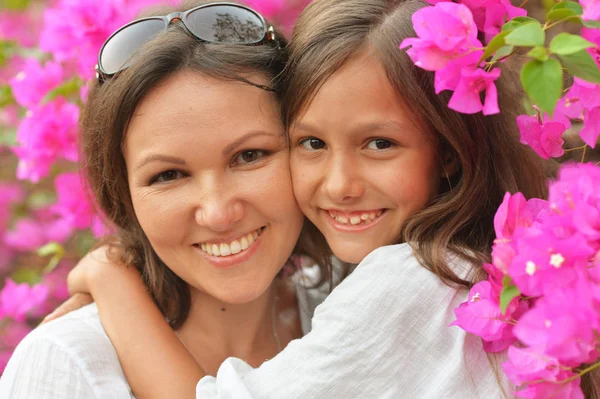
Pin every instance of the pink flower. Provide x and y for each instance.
(528, 364)
(20, 26)
(9, 194)
(73, 206)
(34, 81)
(18, 300)
(563, 325)
(10, 335)
(27, 235)
(446, 32)
(490, 15)
(591, 9)
(74, 30)
(466, 98)
(543, 390)
(269, 8)
(47, 133)
(546, 140)
(516, 211)
(481, 315)
(591, 126)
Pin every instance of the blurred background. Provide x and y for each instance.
(48, 50)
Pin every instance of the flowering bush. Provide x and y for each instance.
(541, 300)
(48, 50)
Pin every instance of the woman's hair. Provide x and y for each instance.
(490, 158)
(104, 123)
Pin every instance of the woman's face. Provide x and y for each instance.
(208, 172)
(360, 163)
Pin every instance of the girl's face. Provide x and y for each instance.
(360, 163)
(207, 164)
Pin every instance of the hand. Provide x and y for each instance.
(79, 278)
(78, 300)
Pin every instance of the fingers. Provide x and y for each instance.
(75, 302)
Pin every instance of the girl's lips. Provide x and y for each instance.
(225, 262)
(353, 228)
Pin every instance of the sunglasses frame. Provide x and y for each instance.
(268, 34)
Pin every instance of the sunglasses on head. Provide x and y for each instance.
(212, 23)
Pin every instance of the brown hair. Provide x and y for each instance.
(491, 159)
(105, 120)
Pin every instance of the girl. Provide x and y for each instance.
(394, 180)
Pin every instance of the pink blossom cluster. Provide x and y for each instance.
(447, 44)
(580, 103)
(490, 15)
(547, 253)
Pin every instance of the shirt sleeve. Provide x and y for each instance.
(41, 369)
(383, 332)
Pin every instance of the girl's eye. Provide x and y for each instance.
(312, 144)
(249, 156)
(379, 144)
(166, 176)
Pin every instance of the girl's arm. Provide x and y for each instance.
(155, 362)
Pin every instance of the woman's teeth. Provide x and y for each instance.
(356, 218)
(233, 247)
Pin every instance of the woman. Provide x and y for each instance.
(185, 153)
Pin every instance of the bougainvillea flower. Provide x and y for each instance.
(546, 140)
(466, 98)
(18, 300)
(34, 81)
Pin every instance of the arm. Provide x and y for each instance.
(155, 362)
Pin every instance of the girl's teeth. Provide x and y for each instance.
(364, 218)
(234, 247)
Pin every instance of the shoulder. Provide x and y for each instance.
(70, 356)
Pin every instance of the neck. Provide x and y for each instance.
(215, 330)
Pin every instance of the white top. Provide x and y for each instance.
(72, 357)
(382, 333)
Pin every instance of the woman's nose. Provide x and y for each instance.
(219, 209)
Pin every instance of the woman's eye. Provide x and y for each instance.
(166, 176)
(312, 144)
(249, 156)
(379, 144)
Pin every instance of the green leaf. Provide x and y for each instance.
(514, 23)
(539, 53)
(28, 276)
(582, 65)
(529, 34)
(6, 96)
(543, 82)
(503, 52)
(66, 89)
(14, 4)
(573, 6)
(508, 293)
(591, 24)
(8, 137)
(56, 250)
(566, 43)
(494, 45)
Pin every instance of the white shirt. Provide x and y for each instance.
(72, 357)
(382, 333)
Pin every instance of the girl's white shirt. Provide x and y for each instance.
(382, 333)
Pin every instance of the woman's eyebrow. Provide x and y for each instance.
(239, 141)
(159, 158)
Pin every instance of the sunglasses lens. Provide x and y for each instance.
(226, 24)
(117, 51)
